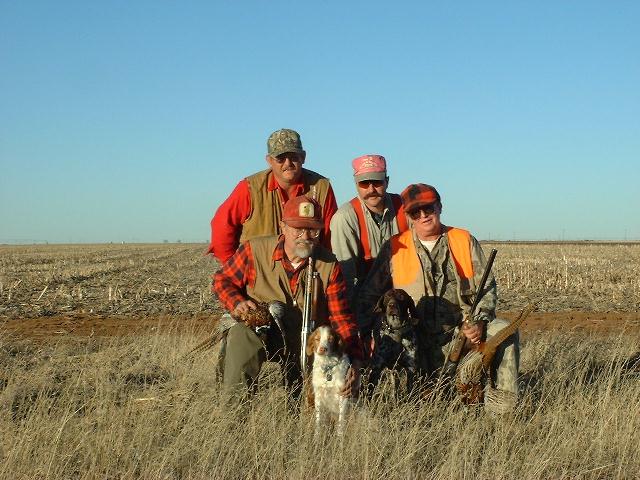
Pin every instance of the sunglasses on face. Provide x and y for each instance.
(366, 183)
(426, 209)
(293, 158)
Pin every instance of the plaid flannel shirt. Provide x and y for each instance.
(230, 281)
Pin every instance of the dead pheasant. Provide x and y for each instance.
(257, 319)
(476, 364)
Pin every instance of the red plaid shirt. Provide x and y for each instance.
(239, 271)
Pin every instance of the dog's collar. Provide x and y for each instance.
(327, 369)
(396, 331)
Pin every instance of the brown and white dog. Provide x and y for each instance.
(396, 346)
(328, 377)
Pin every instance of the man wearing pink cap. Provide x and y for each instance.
(362, 225)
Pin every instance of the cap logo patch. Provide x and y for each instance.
(368, 162)
(306, 210)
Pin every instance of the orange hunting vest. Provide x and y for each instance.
(405, 264)
(365, 247)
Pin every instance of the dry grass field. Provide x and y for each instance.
(94, 382)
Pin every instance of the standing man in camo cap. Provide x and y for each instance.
(254, 208)
(363, 224)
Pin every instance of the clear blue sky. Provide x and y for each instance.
(132, 121)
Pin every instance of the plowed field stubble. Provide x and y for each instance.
(94, 382)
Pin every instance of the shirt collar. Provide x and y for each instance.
(279, 255)
(388, 203)
(298, 188)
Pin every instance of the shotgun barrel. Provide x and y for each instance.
(307, 311)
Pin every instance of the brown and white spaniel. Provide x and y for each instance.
(328, 377)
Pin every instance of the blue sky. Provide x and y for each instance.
(132, 121)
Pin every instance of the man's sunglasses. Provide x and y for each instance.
(293, 158)
(426, 209)
(367, 183)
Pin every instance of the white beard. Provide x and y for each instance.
(304, 249)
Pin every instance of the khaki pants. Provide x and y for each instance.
(243, 358)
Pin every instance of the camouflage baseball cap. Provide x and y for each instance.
(283, 141)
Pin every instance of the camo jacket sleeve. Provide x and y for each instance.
(377, 282)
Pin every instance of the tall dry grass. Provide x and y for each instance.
(134, 407)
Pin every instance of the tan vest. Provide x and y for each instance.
(272, 283)
(266, 206)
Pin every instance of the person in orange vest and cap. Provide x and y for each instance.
(361, 226)
(440, 267)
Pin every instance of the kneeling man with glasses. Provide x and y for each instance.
(271, 268)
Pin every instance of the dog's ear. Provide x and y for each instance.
(412, 311)
(312, 343)
(379, 308)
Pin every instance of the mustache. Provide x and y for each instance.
(372, 195)
(304, 243)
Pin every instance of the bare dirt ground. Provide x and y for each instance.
(56, 291)
(82, 325)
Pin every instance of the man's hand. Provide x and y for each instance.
(243, 307)
(473, 332)
(352, 384)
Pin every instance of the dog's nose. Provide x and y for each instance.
(322, 350)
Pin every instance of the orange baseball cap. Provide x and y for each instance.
(417, 195)
(302, 212)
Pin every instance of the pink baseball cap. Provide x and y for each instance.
(369, 167)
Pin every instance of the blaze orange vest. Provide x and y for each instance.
(405, 264)
(365, 247)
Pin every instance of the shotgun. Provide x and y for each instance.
(457, 345)
(307, 311)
